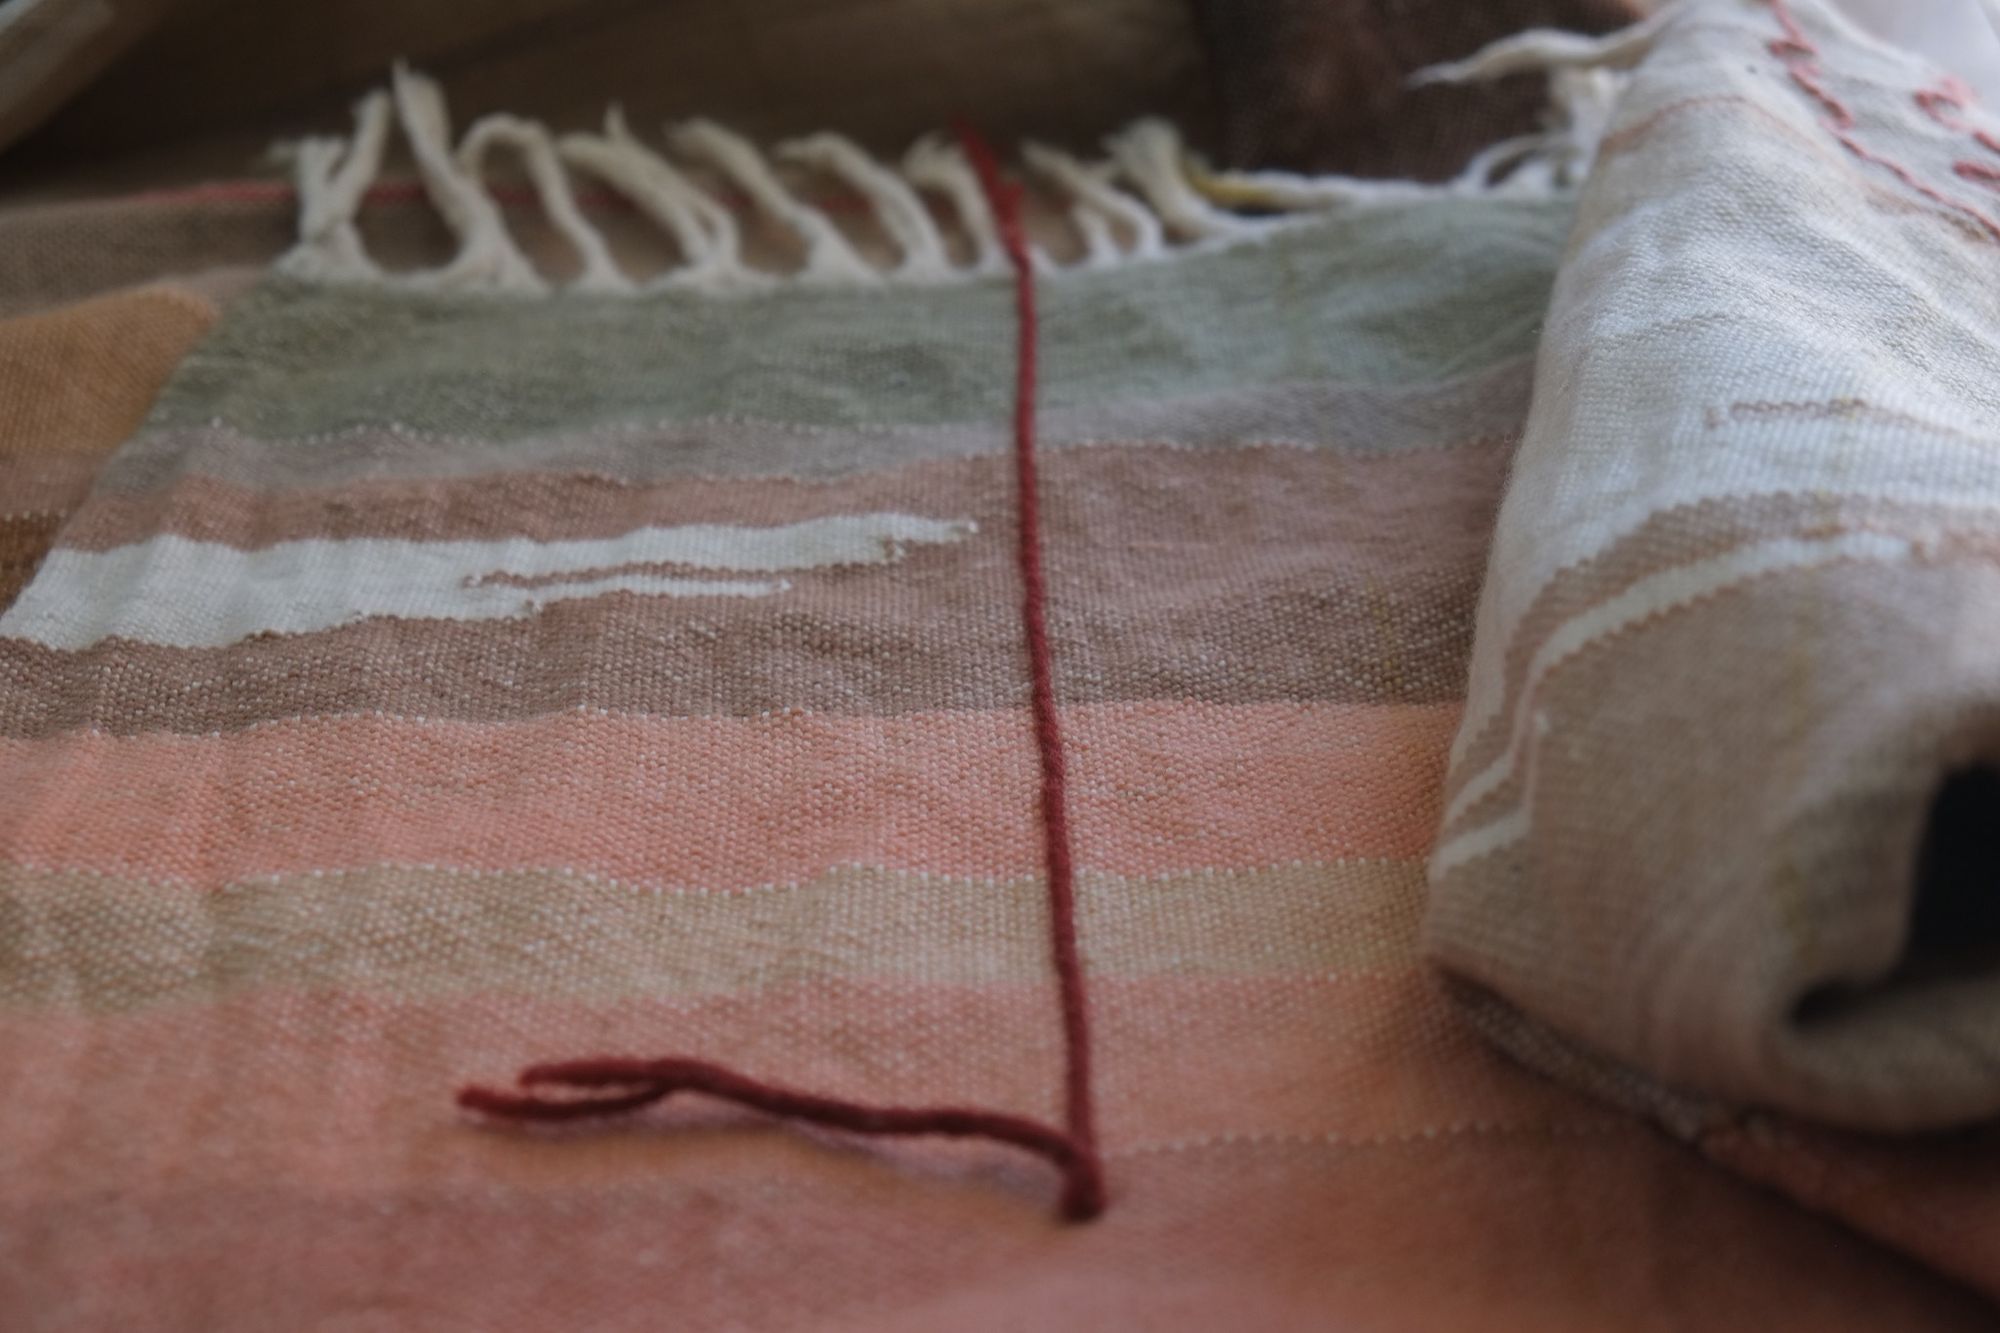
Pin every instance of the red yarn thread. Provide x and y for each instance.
(633, 1084)
(1004, 197)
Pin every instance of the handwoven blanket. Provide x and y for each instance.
(1724, 811)
(503, 664)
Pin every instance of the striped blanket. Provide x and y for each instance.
(450, 675)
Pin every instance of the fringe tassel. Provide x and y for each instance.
(1586, 77)
(332, 176)
(942, 168)
(1545, 50)
(1152, 158)
(1097, 206)
(538, 153)
(901, 213)
(487, 256)
(829, 258)
(704, 231)
(1148, 197)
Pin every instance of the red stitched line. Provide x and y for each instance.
(1800, 56)
(1954, 94)
(629, 1085)
(1942, 104)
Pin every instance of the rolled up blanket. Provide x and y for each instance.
(1722, 821)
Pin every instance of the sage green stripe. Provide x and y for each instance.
(93, 943)
(1389, 297)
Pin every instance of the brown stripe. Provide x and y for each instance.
(1239, 577)
(1667, 540)
(42, 481)
(24, 540)
(1285, 492)
(67, 251)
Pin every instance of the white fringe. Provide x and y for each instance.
(1152, 158)
(1176, 202)
(333, 174)
(702, 229)
(538, 153)
(1585, 81)
(941, 167)
(1545, 50)
(897, 207)
(487, 257)
(829, 258)
(1097, 205)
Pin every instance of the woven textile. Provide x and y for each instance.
(76, 383)
(440, 681)
(1742, 626)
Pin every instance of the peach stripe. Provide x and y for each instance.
(351, 1093)
(726, 802)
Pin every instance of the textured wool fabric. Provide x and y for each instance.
(441, 682)
(1741, 629)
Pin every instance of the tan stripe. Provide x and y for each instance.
(1795, 730)
(1669, 540)
(24, 540)
(96, 943)
(79, 380)
(1273, 574)
(40, 481)
(74, 383)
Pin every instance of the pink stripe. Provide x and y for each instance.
(340, 1092)
(722, 802)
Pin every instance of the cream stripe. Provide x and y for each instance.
(1667, 590)
(1505, 831)
(181, 593)
(1561, 521)
(1967, 496)
(93, 942)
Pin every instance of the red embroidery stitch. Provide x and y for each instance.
(1977, 172)
(1800, 56)
(1941, 104)
(1953, 94)
(635, 1084)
